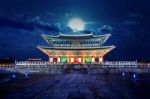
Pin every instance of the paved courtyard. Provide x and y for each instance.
(75, 86)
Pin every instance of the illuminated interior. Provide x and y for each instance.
(88, 59)
(63, 59)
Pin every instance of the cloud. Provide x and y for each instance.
(67, 29)
(30, 25)
(105, 29)
(129, 22)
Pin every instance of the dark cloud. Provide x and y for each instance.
(31, 25)
(66, 29)
(105, 29)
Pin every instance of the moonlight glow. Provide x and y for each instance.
(76, 24)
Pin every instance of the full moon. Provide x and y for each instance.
(76, 24)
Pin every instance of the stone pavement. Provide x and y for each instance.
(67, 86)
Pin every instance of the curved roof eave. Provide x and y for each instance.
(66, 36)
(79, 48)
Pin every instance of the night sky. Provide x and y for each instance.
(23, 21)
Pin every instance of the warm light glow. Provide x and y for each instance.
(72, 59)
(76, 60)
(101, 59)
(51, 59)
(76, 24)
(79, 59)
(93, 59)
(58, 60)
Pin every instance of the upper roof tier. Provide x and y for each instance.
(75, 36)
(74, 39)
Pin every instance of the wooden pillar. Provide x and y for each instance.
(69, 58)
(82, 58)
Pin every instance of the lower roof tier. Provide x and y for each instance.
(69, 40)
(77, 48)
(55, 52)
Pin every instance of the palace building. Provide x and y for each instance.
(76, 48)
